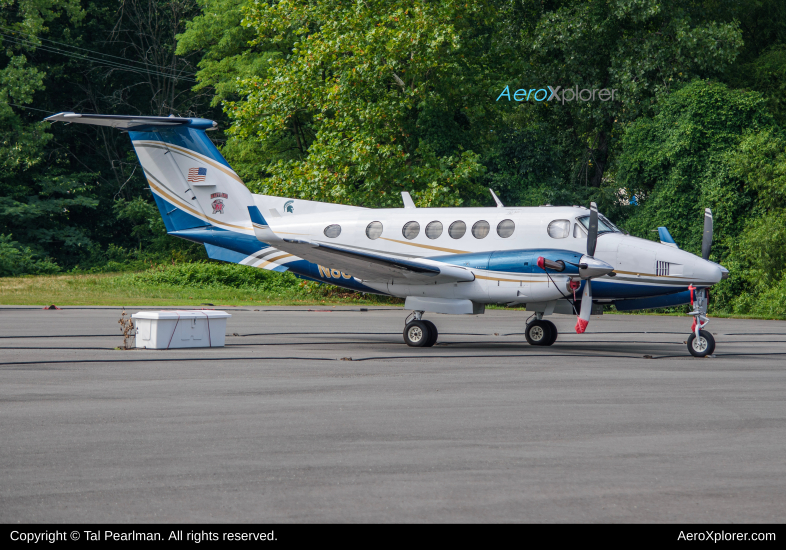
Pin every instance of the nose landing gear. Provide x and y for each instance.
(420, 333)
(700, 342)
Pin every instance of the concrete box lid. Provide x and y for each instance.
(182, 314)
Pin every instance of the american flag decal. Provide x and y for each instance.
(197, 174)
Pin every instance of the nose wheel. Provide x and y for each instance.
(541, 333)
(701, 346)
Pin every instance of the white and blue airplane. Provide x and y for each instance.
(552, 259)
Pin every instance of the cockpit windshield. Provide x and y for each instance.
(604, 225)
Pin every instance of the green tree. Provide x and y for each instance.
(643, 49)
(40, 200)
(380, 96)
(687, 157)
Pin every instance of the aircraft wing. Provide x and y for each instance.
(376, 266)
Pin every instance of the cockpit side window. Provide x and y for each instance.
(604, 225)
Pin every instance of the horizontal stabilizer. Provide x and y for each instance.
(129, 122)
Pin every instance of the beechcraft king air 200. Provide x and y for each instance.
(568, 260)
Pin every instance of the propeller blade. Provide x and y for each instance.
(586, 308)
(706, 238)
(592, 231)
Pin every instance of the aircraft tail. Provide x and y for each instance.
(193, 185)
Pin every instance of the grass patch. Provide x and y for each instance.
(189, 284)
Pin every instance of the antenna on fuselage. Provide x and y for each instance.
(496, 199)
(408, 202)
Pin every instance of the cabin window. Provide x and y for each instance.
(333, 231)
(559, 229)
(579, 232)
(374, 230)
(505, 228)
(411, 230)
(480, 229)
(457, 229)
(434, 230)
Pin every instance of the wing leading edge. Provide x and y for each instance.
(376, 267)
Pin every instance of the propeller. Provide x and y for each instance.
(592, 230)
(586, 295)
(706, 238)
(589, 268)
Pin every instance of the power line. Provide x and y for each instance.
(106, 63)
(12, 31)
(32, 109)
(110, 64)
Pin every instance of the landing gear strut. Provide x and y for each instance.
(420, 333)
(700, 342)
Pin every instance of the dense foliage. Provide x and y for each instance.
(352, 102)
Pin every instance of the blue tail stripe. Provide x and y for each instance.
(256, 215)
(239, 242)
(174, 218)
(183, 136)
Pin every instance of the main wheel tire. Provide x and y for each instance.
(538, 333)
(434, 333)
(554, 333)
(417, 334)
(702, 346)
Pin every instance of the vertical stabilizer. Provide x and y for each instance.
(185, 169)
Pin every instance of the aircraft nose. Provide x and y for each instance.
(707, 273)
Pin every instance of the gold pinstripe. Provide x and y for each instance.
(159, 188)
(509, 280)
(274, 260)
(188, 153)
(427, 246)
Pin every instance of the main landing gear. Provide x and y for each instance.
(420, 333)
(541, 332)
(700, 342)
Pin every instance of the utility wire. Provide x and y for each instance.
(111, 64)
(83, 57)
(123, 59)
(32, 109)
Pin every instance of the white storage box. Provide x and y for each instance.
(180, 329)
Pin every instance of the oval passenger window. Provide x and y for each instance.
(505, 228)
(434, 230)
(333, 231)
(480, 229)
(457, 229)
(374, 230)
(411, 230)
(559, 229)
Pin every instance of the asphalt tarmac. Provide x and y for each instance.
(617, 425)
